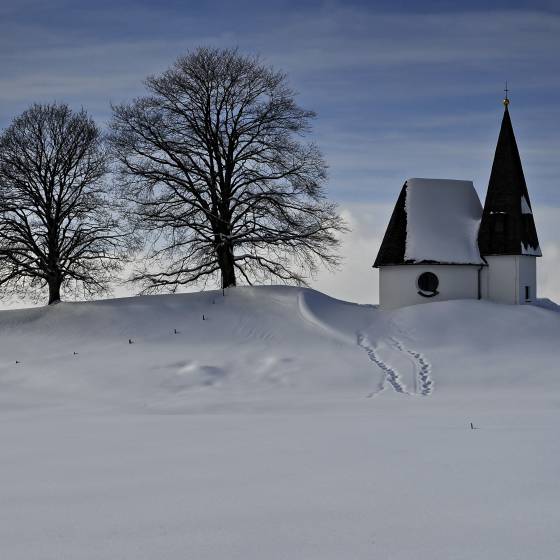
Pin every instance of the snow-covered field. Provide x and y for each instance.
(285, 425)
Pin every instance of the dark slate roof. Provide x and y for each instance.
(434, 221)
(507, 226)
(393, 245)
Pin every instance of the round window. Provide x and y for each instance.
(428, 284)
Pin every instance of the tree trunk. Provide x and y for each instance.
(54, 290)
(227, 268)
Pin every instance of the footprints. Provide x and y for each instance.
(422, 368)
(391, 375)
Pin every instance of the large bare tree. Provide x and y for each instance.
(214, 166)
(57, 227)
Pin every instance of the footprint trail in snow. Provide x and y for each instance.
(391, 375)
(422, 367)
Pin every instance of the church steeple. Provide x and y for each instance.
(507, 226)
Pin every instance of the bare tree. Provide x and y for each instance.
(213, 166)
(57, 227)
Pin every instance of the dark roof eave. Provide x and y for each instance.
(511, 254)
(423, 263)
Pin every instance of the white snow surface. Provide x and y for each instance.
(525, 208)
(443, 217)
(286, 424)
(528, 250)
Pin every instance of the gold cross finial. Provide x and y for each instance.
(506, 99)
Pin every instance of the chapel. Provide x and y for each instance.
(442, 244)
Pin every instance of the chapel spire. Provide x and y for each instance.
(507, 226)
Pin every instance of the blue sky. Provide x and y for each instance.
(402, 88)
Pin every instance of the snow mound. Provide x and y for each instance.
(173, 352)
(340, 319)
(443, 217)
(485, 347)
(546, 303)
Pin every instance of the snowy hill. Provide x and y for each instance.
(281, 341)
(285, 424)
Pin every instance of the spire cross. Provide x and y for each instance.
(506, 100)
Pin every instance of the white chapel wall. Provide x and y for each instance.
(398, 284)
(527, 277)
(502, 278)
(507, 276)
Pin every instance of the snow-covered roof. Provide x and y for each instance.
(443, 216)
(435, 221)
